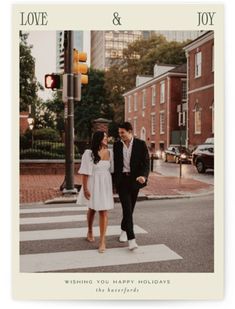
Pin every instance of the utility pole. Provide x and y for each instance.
(69, 113)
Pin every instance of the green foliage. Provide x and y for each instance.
(46, 134)
(94, 104)
(39, 154)
(56, 107)
(141, 56)
(46, 150)
(24, 142)
(28, 83)
(139, 59)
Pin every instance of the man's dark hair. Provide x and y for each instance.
(126, 125)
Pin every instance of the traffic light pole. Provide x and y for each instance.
(69, 115)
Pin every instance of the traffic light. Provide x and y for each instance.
(78, 67)
(52, 81)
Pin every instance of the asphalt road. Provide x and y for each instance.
(188, 171)
(183, 225)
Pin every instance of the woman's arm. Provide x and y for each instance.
(85, 189)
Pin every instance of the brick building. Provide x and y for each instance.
(200, 85)
(154, 107)
(24, 122)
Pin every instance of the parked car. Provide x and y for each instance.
(203, 157)
(209, 140)
(177, 153)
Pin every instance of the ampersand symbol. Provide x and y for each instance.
(116, 20)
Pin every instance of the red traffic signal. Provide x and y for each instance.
(52, 81)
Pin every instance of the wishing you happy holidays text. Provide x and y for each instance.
(118, 286)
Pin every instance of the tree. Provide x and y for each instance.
(141, 56)
(139, 59)
(94, 104)
(115, 88)
(28, 82)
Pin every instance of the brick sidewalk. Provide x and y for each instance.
(39, 188)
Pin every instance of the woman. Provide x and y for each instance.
(96, 191)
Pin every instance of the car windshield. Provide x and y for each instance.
(183, 150)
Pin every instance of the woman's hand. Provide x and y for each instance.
(87, 194)
(141, 179)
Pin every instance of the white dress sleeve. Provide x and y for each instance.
(111, 161)
(86, 167)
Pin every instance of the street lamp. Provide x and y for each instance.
(31, 125)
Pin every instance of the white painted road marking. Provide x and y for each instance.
(91, 258)
(72, 233)
(58, 219)
(57, 209)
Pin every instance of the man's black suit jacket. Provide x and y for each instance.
(139, 162)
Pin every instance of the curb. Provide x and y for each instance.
(141, 197)
(171, 197)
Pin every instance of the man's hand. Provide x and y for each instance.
(141, 179)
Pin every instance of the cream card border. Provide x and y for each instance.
(133, 17)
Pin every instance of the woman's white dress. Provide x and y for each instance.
(99, 182)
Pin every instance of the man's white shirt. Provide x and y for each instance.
(127, 156)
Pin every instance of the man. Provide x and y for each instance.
(131, 170)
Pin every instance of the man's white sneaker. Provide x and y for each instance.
(123, 236)
(132, 244)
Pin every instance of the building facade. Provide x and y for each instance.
(107, 46)
(179, 36)
(81, 43)
(200, 88)
(157, 108)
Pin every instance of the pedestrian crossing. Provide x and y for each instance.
(62, 258)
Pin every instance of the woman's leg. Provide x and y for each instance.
(90, 219)
(103, 220)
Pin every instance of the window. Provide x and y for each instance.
(162, 92)
(120, 46)
(135, 126)
(162, 122)
(153, 95)
(120, 53)
(143, 134)
(198, 64)
(153, 124)
(109, 44)
(184, 90)
(181, 118)
(135, 102)
(107, 54)
(109, 35)
(212, 58)
(144, 98)
(129, 104)
(113, 54)
(197, 119)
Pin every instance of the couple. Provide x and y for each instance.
(129, 164)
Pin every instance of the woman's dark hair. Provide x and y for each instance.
(95, 145)
(126, 125)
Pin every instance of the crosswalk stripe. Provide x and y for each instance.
(72, 233)
(57, 209)
(56, 219)
(91, 258)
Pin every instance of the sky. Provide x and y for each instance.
(44, 52)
